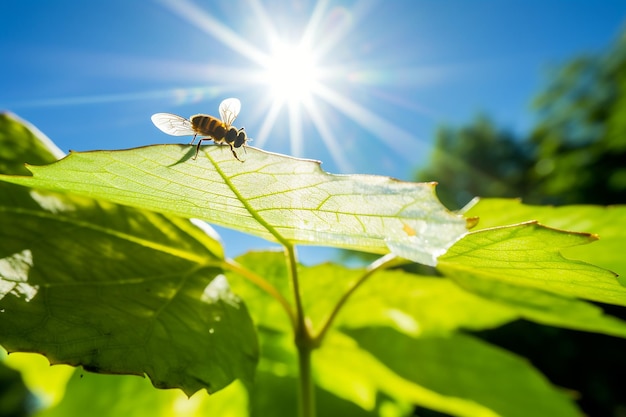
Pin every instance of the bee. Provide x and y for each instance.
(208, 127)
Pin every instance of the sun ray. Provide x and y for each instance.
(295, 128)
(264, 21)
(313, 24)
(268, 123)
(335, 32)
(329, 139)
(342, 21)
(194, 14)
(401, 141)
(113, 98)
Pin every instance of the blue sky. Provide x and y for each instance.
(89, 74)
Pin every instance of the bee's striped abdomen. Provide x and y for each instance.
(208, 126)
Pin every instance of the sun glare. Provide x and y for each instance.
(291, 73)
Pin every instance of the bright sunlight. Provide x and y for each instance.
(291, 73)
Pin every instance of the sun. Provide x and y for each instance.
(291, 73)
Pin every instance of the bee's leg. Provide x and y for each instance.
(198, 148)
(193, 139)
(234, 153)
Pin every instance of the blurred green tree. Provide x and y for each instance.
(576, 154)
(580, 139)
(478, 160)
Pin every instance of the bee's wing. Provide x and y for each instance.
(173, 124)
(229, 110)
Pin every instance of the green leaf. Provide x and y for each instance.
(469, 372)
(118, 395)
(407, 302)
(393, 298)
(345, 368)
(413, 304)
(608, 223)
(343, 372)
(528, 255)
(118, 290)
(284, 199)
(271, 385)
(270, 267)
(21, 142)
(47, 382)
(545, 307)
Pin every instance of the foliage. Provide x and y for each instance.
(581, 135)
(575, 154)
(477, 159)
(100, 269)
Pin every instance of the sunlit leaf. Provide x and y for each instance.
(48, 383)
(21, 142)
(270, 386)
(345, 368)
(463, 368)
(391, 298)
(276, 197)
(266, 310)
(545, 307)
(528, 255)
(117, 395)
(416, 305)
(608, 223)
(118, 290)
(411, 303)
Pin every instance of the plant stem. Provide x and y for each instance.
(377, 265)
(292, 268)
(262, 283)
(307, 388)
(303, 339)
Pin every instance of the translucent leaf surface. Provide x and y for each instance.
(21, 142)
(528, 255)
(608, 223)
(118, 395)
(422, 307)
(347, 369)
(463, 368)
(272, 196)
(413, 304)
(47, 383)
(545, 307)
(402, 300)
(271, 385)
(117, 290)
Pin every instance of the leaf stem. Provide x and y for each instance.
(262, 283)
(303, 339)
(377, 265)
(292, 267)
(307, 388)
